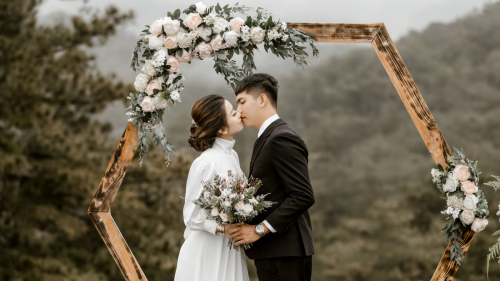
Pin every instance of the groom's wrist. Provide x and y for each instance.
(266, 229)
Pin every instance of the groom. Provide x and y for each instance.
(281, 236)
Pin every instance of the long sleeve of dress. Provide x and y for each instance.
(195, 218)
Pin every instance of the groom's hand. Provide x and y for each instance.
(233, 226)
(244, 234)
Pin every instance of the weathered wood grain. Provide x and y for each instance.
(117, 168)
(447, 268)
(117, 246)
(410, 95)
(339, 32)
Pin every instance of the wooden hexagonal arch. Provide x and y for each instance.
(377, 35)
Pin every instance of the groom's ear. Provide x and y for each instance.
(262, 100)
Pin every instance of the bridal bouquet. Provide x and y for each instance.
(232, 200)
(467, 207)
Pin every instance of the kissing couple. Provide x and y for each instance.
(282, 235)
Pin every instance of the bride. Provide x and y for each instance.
(204, 254)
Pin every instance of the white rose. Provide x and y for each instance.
(156, 42)
(247, 208)
(223, 217)
(479, 224)
(220, 24)
(214, 212)
(451, 183)
(200, 7)
(231, 38)
(160, 102)
(467, 217)
(183, 38)
(156, 28)
(239, 206)
(141, 82)
(204, 50)
(210, 18)
(205, 33)
(470, 202)
(455, 202)
(175, 96)
(149, 68)
(257, 34)
(171, 26)
(148, 105)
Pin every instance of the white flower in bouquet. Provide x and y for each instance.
(200, 7)
(156, 27)
(186, 56)
(253, 201)
(284, 37)
(455, 202)
(171, 26)
(479, 224)
(236, 24)
(247, 208)
(170, 42)
(141, 82)
(210, 18)
(235, 195)
(160, 102)
(231, 38)
(153, 84)
(160, 57)
(214, 212)
(452, 211)
(204, 32)
(273, 34)
(149, 68)
(217, 44)
(223, 216)
(192, 20)
(226, 203)
(451, 183)
(470, 202)
(468, 187)
(225, 193)
(204, 50)
(206, 194)
(183, 38)
(257, 34)
(467, 217)
(175, 96)
(220, 24)
(245, 35)
(174, 64)
(155, 42)
(239, 206)
(282, 26)
(461, 173)
(148, 104)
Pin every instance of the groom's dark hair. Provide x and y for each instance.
(257, 84)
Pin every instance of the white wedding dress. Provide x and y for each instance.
(204, 256)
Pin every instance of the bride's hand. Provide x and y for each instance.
(229, 227)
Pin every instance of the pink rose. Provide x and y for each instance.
(148, 105)
(170, 42)
(193, 20)
(223, 216)
(239, 206)
(479, 224)
(186, 56)
(216, 43)
(156, 28)
(204, 49)
(174, 64)
(236, 24)
(461, 173)
(468, 187)
(153, 84)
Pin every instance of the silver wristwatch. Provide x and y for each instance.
(260, 230)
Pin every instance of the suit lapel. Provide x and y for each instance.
(262, 140)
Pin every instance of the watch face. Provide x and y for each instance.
(259, 229)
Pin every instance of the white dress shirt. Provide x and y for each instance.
(261, 131)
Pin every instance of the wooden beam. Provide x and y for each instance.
(339, 32)
(117, 168)
(447, 268)
(117, 246)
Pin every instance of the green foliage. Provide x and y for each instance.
(494, 184)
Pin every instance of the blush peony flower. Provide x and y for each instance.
(214, 212)
(217, 44)
(236, 24)
(183, 38)
(479, 224)
(239, 206)
(257, 34)
(461, 173)
(149, 68)
(468, 187)
(223, 216)
(455, 202)
(204, 50)
(193, 20)
(186, 56)
(231, 38)
(170, 42)
(171, 26)
(175, 96)
(156, 27)
(467, 217)
(451, 184)
(470, 202)
(153, 84)
(220, 24)
(204, 33)
(200, 7)
(148, 105)
(155, 42)
(141, 82)
(174, 64)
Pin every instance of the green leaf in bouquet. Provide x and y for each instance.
(177, 14)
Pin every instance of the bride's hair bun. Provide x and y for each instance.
(209, 116)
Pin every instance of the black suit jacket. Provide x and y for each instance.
(280, 160)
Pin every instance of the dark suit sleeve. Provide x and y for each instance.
(289, 158)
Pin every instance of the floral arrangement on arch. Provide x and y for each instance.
(206, 32)
(467, 207)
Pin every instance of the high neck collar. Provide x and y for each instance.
(224, 145)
